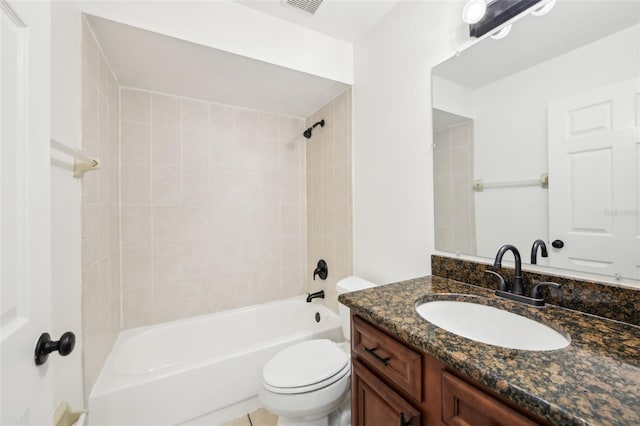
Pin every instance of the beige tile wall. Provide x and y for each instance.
(329, 195)
(213, 207)
(454, 196)
(100, 199)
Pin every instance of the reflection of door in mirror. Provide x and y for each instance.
(453, 178)
(593, 164)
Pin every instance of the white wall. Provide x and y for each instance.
(393, 179)
(65, 200)
(229, 26)
(452, 97)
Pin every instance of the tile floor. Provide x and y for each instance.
(260, 417)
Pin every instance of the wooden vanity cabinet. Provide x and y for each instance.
(399, 364)
(375, 403)
(464, 404)
(396, 384)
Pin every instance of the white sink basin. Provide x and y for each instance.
(492, 326)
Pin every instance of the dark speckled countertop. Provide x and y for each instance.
(593, 381)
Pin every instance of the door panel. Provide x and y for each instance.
(590, 119)
(590, 177)
(594, 181)
(24, 210)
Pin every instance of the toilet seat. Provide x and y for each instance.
(305, 367)
(312, 387)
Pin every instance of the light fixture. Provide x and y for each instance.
(501, 33)
(492, 17)
(544, 9)
(474, 11)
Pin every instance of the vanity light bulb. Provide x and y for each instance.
(544, 9)
(473, 11)
(502, 33)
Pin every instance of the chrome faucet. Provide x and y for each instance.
(534, 251)
(517, 280)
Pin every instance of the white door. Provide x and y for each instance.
(24, 210)
(594, 152)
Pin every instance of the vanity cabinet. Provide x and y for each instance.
(375, 403)
(464, 404)
(399, 364)
(396, 384)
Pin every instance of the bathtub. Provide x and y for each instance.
(202, 370)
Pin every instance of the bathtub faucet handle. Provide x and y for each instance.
(321, 270)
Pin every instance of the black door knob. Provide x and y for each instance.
(45, 346)
(557, 244)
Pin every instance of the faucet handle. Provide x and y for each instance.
(321, 270)
(535, 290)
(502, 285)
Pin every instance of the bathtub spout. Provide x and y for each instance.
(317, 294)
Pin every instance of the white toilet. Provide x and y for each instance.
(305, 382)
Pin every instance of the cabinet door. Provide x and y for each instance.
(464, 405)
(374, 403)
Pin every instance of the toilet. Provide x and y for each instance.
(305, 382)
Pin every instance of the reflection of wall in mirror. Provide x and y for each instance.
(454, 205)
(510, 132)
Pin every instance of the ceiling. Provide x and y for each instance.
(533, 40)
(140, 60)
(342, 19)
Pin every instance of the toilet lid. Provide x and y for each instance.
(304, 364)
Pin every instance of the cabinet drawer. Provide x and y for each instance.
(374, 403)
(464, 405)
(399, 364)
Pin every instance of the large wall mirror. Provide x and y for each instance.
(537, 136)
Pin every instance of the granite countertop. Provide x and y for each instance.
(593, 381)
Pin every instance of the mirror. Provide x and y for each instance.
(537, 136)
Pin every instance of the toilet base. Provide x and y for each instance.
(322, 421)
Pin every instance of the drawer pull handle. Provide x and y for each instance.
(404, 422)
(372, 351)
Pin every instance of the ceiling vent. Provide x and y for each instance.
(307, 6)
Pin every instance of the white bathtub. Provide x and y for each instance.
(196, 370)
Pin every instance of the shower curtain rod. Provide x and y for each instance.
(543, 181)
(85, 162)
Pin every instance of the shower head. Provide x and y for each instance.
(307, 133)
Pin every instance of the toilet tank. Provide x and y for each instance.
(347, 285)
